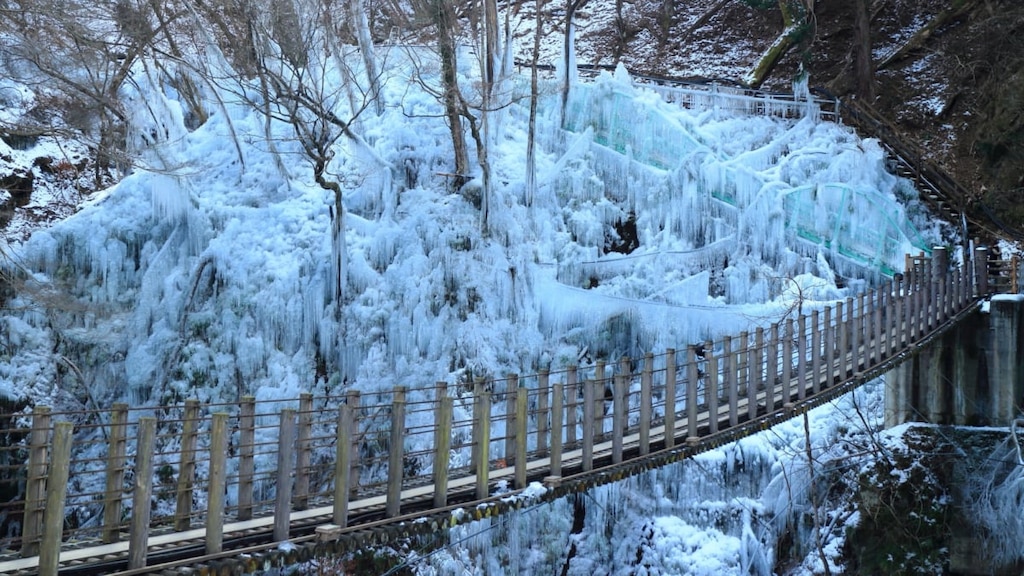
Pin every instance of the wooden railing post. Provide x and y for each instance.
(35, 487)
(478, 390)
(285, 458)
(396, 454)
(862, 332)
(511, 391)
(113, 495)
(543, 413)
(646, 400)
(909, 306)
(787, 362)
(940, 274)
(303, 452)
(692, 377)
(56, 494)
(603, 386)
(353, 399)
(522, 403)
(924, 286)
(187, 465)
(442, 444)
(572, 396)
(218, 477)
(902, 305)
(620, 405)
(482, 446)
(756, 382)
(885, 301)
(928, 281)
(745, 371)
(843, 331)
(965, 286)
(1015, 274)
(246, 455)
(589, 420)
(856, 321)
(772, 366)
(344, 442)
(947, 288)
(801, 352)
(557, 391)
(670, 397)
(877, 344)
(712, 385)
(815, 351)
(730, 380)
(139, 531)
(830, 347)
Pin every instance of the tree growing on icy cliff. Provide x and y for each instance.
(475, 112)
(314, 91)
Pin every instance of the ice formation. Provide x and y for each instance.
(206, 272)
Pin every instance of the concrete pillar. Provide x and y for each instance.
(934, 382)
(973, 375)
(1006, 365)
(898, 382)
(965, 369)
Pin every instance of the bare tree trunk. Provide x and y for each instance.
(357, 16)
(621, 33)
(818, 536)
(797, 28)
(485, 166)
(665, 17)
(444, 18)
(531, 155)
(491, 57)
(569, 51)
(862, 51)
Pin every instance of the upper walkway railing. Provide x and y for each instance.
(127, 488)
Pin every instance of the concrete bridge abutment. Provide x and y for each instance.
(972, 375)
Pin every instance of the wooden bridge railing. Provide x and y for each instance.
(136, 472)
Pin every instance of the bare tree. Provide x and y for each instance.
(464, 113)
(569, 51)
(863, 68)
(358, 20)
(798, 28)
(86, 50)
(443, 13)
(531, 144)
(295, 80)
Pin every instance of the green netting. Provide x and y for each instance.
(633, 129)
(858, 223)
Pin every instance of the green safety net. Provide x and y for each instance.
(858, 223)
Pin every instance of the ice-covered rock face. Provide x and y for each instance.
(207, 272)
